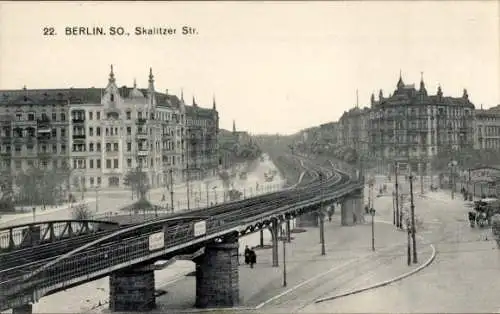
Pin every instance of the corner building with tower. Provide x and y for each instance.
(409, 127)
(102, 134)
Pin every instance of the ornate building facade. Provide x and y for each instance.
(411, 126)
(487, 129)
(102, 134)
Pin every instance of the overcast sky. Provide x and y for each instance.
(274, 67)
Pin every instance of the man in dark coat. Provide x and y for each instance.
(253, 258)
(247, 255)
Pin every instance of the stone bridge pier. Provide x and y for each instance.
(217, 277)
(132, 289)
(23, 309)
(352, 211)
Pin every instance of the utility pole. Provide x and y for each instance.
(171, 190)
(397, 196)
(372, 213)
(322, 219)
(408, 250)
(188, 142)
(208, 196)
(284, 261)
(421, 179)
(96, 199)
(413, 229)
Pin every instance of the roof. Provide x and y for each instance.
(87, 95)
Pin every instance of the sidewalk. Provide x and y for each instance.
(348, 258)
(6, 218)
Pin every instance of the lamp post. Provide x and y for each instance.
(452, 164)
(413, 229)
(171, 190)
(397, 196)
(96, 198)
(321, 218)
(284, 261)
(372, 213)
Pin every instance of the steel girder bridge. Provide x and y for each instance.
(63, 262)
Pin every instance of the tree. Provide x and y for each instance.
(41, 186)
(6, 191)
(81, 212)
(138, 181)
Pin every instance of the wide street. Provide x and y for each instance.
(112, 200)
(460, 278)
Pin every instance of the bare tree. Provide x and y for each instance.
(81, 212)
(138, 181)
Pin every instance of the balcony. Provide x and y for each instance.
(142, 135)
(142, 152)
(79, 136)
(141, 120)
(6, 154)
(78, 120)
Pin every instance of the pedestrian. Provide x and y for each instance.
(253, 258)
(247, 255)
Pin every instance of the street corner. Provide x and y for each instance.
(387, 271)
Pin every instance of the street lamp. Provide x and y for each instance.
(413, 229)
(284, 261)
(452, 164)
(96, 198)
(372, 213)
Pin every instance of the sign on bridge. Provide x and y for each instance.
(200, 228)
(156, 241)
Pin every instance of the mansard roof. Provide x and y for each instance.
(84, 95)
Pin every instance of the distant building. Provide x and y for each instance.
(487, 129)
(411, 126)
(102, 134)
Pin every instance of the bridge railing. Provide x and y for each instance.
(133, 246)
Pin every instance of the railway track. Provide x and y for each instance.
(19, 263)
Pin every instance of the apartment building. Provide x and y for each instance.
(487, 128)
(102, 134)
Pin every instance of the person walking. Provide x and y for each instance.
(247, 255)
(253, 258)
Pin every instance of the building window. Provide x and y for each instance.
(63, 132)
(98, 131)
(98, 115)
(91, 147)
(54, 132)
(91, 180)
(129, 115)
(129, 130)
(63, 148)
(108, 147)
(115, 163)
(108, 163)
(129, 147)
(112, 97)
(129, 163)
(31, 116)
(107, 132)
(91, 163)
(98, 147)
(98, 163)
(91, 131)
(98, 180)
(63, 117)
(139, 115)
(115, 147)
(91, 115)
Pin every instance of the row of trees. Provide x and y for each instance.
(466, 158)
(33, 186)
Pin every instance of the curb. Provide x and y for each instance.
(384, 283)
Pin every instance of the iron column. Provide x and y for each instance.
(397, 195)
(413, 229)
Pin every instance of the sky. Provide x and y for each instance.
(273, 67)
